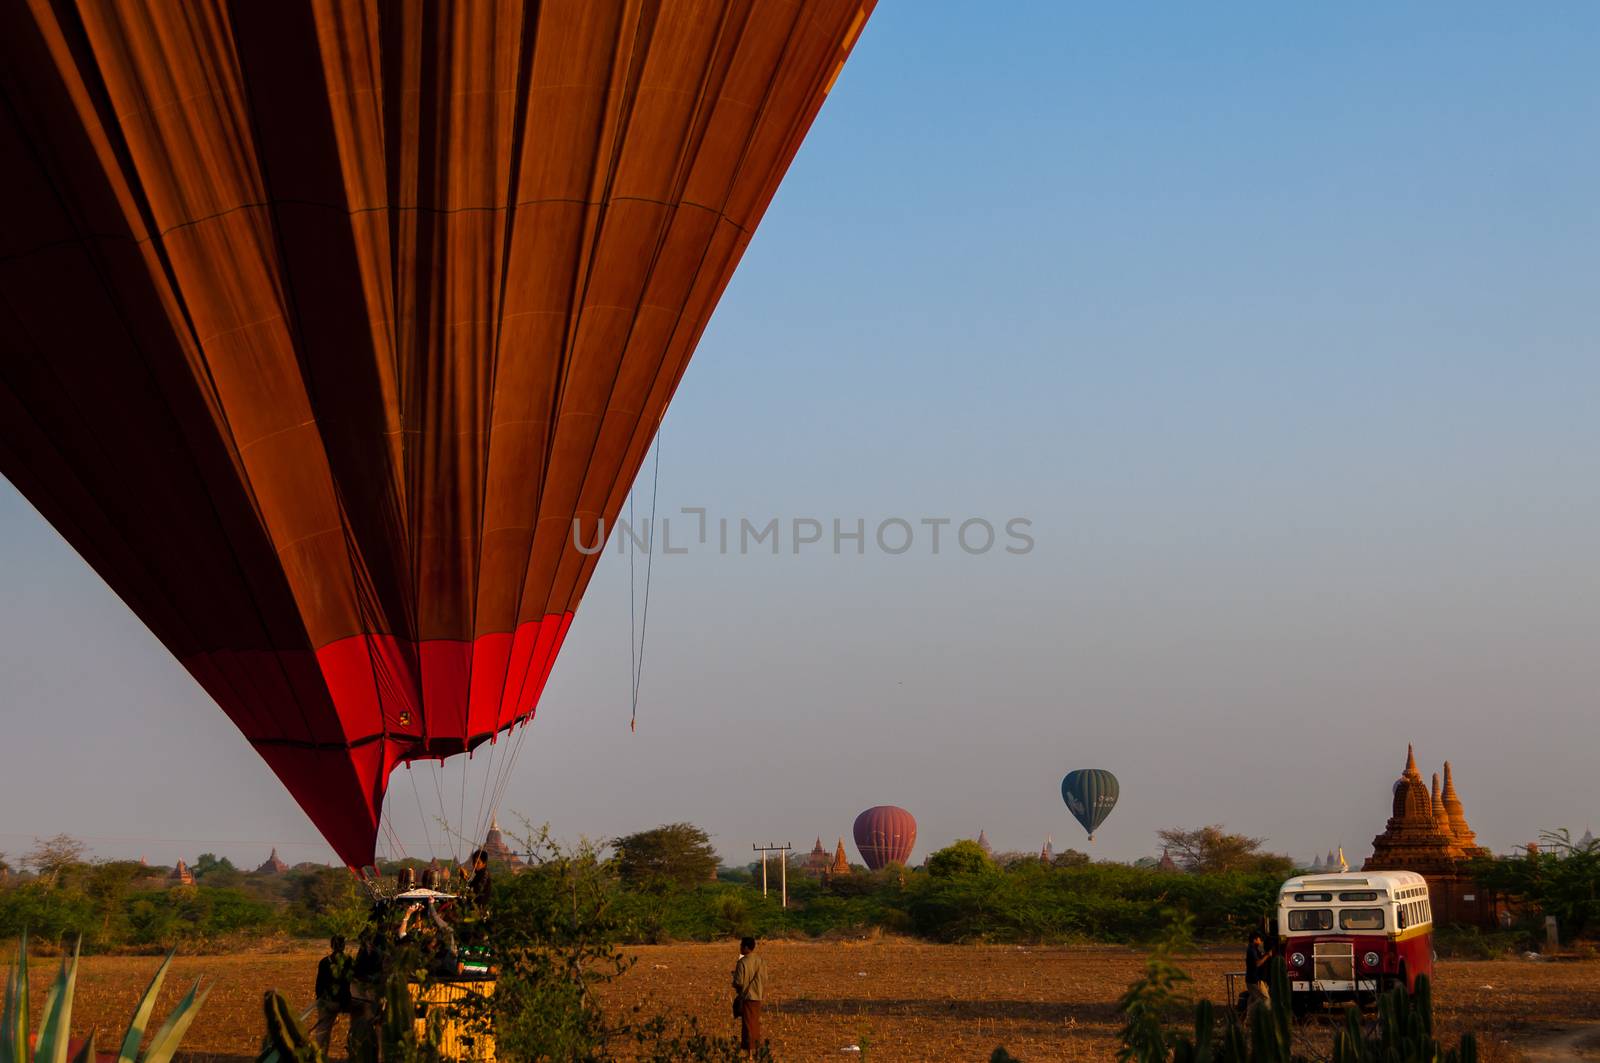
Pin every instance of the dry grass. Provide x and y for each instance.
(911, 1001)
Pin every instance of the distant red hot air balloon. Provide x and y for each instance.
(326, 325)
(885, 835)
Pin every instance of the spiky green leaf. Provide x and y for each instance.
(14, 1024)
(141, 1014)
(56, 1026)
(8, 1021)
(166, 1040)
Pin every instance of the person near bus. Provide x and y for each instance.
(1257, 963)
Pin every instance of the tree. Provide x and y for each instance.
(206, 863)
(1561, 878)
(1212, 850)
(51, 856)
(216, 871)
(965, 857)
(1071, 858)
(677, 853)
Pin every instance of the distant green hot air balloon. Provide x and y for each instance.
(1090, 794)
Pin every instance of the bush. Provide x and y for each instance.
(962, 858)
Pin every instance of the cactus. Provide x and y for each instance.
(285, 1036)
(56, 1024)
(1404, 1033)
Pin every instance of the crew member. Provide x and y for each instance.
(749, 986)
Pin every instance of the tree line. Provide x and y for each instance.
(667, 884)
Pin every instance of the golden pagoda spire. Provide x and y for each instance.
(841, 863)
(1460, 832)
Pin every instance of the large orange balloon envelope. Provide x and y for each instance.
(323, 321)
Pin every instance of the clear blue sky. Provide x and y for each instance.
(1279, 323)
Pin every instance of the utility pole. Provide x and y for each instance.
(783, 866)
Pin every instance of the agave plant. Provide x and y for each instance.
(56, 1023)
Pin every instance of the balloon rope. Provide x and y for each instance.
(427, 832)
(649, 568)
(478, 820)
(461, 821)
(633, 597)
(444, 822)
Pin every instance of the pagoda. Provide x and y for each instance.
(1465, 838)
(273, 866)
(181, 875)
(816, 864)
(841, 863)
(1427, 832)
(1048, 853)
(1166, 863)
(983, 843)
(498, 852)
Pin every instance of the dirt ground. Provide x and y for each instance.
(897, 1000)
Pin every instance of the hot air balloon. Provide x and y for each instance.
(1090, 794)
(333, 334)
(885, 835)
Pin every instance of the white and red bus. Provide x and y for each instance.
(1354, 934)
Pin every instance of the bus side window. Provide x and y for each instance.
(1404, 921)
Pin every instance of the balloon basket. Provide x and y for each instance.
(439, 1011)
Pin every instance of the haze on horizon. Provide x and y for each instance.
(1278, 327)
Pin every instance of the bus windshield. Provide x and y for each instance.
(1311, 919)
(1361, 919)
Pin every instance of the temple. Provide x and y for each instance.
(816, 864)
(499, 853)
(983, 843)
(181, 875)
(273, 866)
(1428, 833)
(841, 863)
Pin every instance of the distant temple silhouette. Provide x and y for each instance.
(494, 844)
(1166, 863)
(181, 875)
(1427, 832)
(816, 864)
(983, 843)
(273, 866)
(841, 862)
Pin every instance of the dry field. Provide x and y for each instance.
(901, 1000)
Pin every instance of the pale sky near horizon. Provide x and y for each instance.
(1278, 325)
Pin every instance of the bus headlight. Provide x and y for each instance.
(1297, 960)
(1370, 959)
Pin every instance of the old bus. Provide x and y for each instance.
(1354, 934)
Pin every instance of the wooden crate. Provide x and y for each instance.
(456, 1039)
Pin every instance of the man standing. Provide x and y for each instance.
(333, 991)
(749, 986)
(479, 889)
(1257, 961)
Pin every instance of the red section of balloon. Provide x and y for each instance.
(885, 835)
